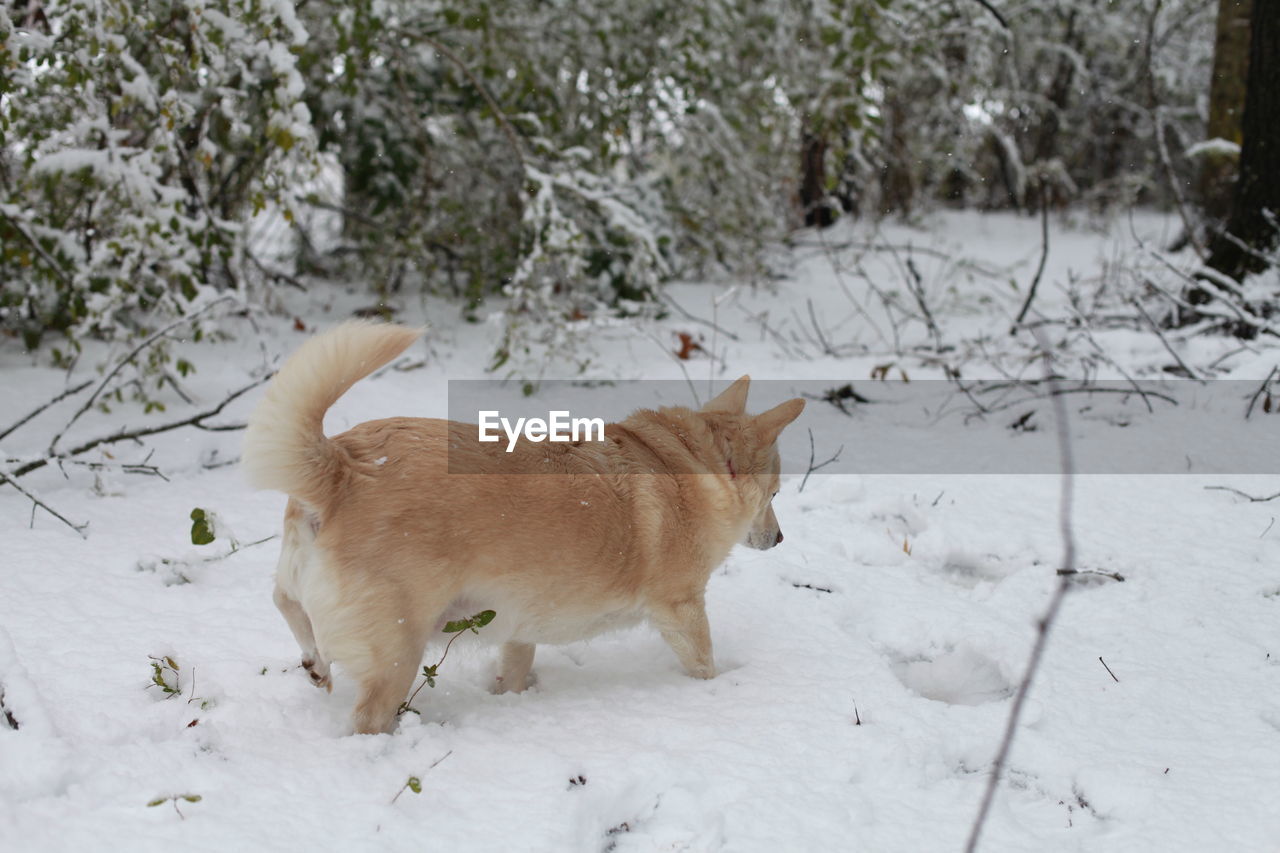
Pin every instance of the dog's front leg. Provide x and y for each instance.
(684, 626)
(513, 671)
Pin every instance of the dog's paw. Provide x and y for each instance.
(499, 685)
(318, 672)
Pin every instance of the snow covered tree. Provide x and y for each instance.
(136, 139)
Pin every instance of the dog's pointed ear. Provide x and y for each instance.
(770, 424)
(732, 400)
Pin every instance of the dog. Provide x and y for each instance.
(397, 526)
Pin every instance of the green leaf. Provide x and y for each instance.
(415, 784)
(201, 529)
(192, 798)
(484, 617)
(159, 801)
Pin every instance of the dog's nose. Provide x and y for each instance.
(778, 541)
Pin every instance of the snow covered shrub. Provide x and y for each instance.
(136, 138)
(571, 156)
(980, 98)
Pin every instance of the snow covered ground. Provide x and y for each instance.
(867, 664)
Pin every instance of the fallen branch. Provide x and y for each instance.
(1115, 576)
(197, 420)
(1155, 327)
(36, 502)
(1108, 669)
(127, 359)
(46, 404)
(1245, 495)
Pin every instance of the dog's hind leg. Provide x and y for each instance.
(513, 671)
(300, 624)
(386, 670)
(684, 626)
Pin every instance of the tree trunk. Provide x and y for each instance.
(1257, 190)
(813, 182)
(1226, 105)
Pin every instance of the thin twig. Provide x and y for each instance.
(694, 318)
(433, 766)
(1115, 576)
(1045, 625)
(1108, 669)
(7, 713)
(120, 364)
(817, 329)
(447, 646)
(53, 265)
(994, 12)
(1265, 386)
(679, 363)
(1044, 256)
(237, 548)
(196, 420)
(78, 528)
(820, 465)
(1251, 498)
(1155, 327)
(484, 93)
(46, 404)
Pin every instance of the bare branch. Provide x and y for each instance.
(1264, 387)
(666, 297)
(815, 467)
(197, 420)
(46, 404)
(1245, 495)
(1045, 625)
(498, 114)
(1108, 669)
(1044, 256)
(1155, 327)
(1115, 576)
(128, 358)
(994, 12)
(78, 528)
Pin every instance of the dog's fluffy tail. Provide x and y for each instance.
(285, 447)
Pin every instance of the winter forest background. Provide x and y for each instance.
(567, 159)
(1062, 212)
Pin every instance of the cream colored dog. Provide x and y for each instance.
(398, 525)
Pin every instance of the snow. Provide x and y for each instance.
(866, 664)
